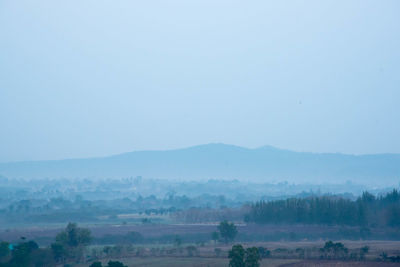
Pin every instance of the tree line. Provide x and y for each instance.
(366, 210)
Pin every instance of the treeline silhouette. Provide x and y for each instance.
(366, 210)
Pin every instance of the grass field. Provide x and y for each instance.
(166, 253)
(251, 233)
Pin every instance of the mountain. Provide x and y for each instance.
(220, 161)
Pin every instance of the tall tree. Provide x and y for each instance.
(236, 256)
(70, 243)
(227, 231)
(253, 257)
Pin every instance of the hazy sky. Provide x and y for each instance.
(92, 78)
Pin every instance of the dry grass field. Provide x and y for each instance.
(191, 262)
(205, 253)
(218, 262)
(154, 230)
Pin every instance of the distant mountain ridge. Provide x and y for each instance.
(220, 161)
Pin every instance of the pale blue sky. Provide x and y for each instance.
(92, 78)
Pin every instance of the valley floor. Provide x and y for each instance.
(219, 262)
(191, 262)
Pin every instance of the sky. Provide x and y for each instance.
(94, 78)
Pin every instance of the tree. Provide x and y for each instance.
(227, 231)
(96, 264)
(191, 250)
(264, 253)
(236, 256)
(253, 257)
(239, 257)
(28, 254)
(177, 241)
(4, 250)
(116, 264)
(366, 211)
(334, 250)
(42, 257)
(59, 252)
(215, 237)
(21, 254)
(70, 243)
(363, 251)
(74, 236)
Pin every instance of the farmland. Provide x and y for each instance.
(158, 247)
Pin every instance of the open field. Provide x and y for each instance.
(158, 247)
(44, 235)
(191, 262)
(219, 262)
(247, 232)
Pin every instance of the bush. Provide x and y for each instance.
(116, 264)
(239, 257)
(96, 264)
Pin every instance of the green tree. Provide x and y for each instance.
(74, 236)
(253, 257)
(42, 257)
(363, 251)
(264, 253)
(22, 254)
(191, 250)
(227, 231)
(177, 241)
(333, 250)
(4, 250)
(71, 242)
(237, 256)
(116, 264)
(59, 252)
(96, 264)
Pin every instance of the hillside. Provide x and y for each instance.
(220, 161)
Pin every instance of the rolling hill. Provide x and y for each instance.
(220, 161)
